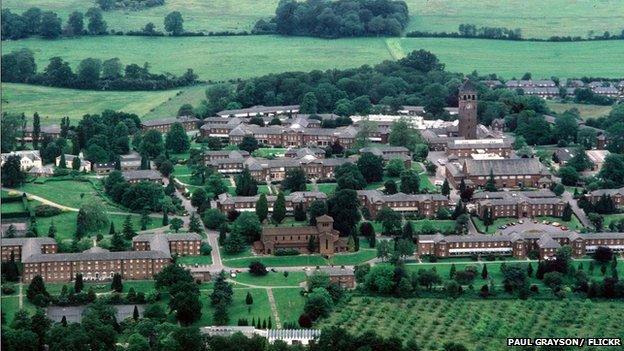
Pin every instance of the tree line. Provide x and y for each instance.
(466, 30)
(93, 74)
(107, 5)
(335, 19)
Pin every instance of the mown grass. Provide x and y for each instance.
(68, 193)
(586, 111)
(289, 303)
(52, 104)
(271, 279)
(477, 324)
(535, 18)
(238, 309)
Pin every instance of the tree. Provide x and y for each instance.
(92, 217)
(299, 213)
(309, 104)
(165, 218)
(403, 133)
(422, 60)
(248, 299)
(603, 255)
(10, 269)
(176, 224)
(312, 244)
(295, 180)
(343, 208)
(176, 139)
(152, 143)
(394, 167)
(145, 219)
(612, 171)
(117, 243)
(262, 208)
(279, 209)
(257, 268)
(88, 72)
(11, 231)
(117, 285)
(215, 184)
(37, 288)
(569, 175)
(187, 307)
(36, 131)
(249, 144)
(490, 185)
(316, 209)
(127, 229)
(50, 25)
(567, 212)
(390, 187)
(78, 283)
(371, 167)
(247, 226)
(96, 25)
(446, 189)
(195, 225)
(213, 218)
(245, 184)
(39, 325)
(76, 163)
(200, 200)
(391, 221)
(318, 304)
(461, 224)
(174, 23)
(12, 174)
(410, 182)
(348, 176)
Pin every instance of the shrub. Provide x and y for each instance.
(287, 252)
(257, 268)
(8, 290)
(205, 249)
(47, 211)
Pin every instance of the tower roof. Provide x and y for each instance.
(468, 85)
(324, 218)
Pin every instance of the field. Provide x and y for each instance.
(535, 18)
(68, 193)
(215, 15)
(168, 108)
(478, 324)
(586, 111)
(238, 309)
(55, 103)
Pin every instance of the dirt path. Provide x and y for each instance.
(278, 322)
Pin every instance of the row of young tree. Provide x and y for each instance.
(466, 30)
(335, 19)
(94, 74)
(107, 5)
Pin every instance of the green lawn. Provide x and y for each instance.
(425, 183)
(610, 218)
(169, 107)
(475, 323)
(289, 304)
(10, 305)
(271, 279)
(586, 111)
(52, 104)
(192, 260)
(238, 309)
(348, 259)
(573, 224)
(104, 287)
(277, 261)
(327, 188)
(536, 19)
(269, 151)
(68, 193)
(12, 207)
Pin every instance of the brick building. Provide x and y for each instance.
(294, 137)
(418, 204)
(508, 173)
(467, 100)
(226, 202)
(164, 125)
(617, 196)
(387, 153)
(468, 147)
(519, 204)
(260, 110)
(343, 276)
(518, 245)
(326, 239)
(151, 253)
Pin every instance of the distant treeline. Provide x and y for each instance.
(335, 19)
(128, 4)
(19, 67)
(502, 33)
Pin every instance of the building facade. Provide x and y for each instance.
(519, 204)
(467, 100)
(226, 202)
(508, 173)
(164, 125)
(426, 205)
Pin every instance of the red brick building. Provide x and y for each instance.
(164, 125)
(467, 100)
(617, 196)
(226, 202)
(468, 147)
(142, 175)
(508, 173)
(519, 204)
(418, 204)
(187, 244)
(326, 239)
(24, 247)
(343, 276)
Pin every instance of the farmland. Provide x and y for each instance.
(478, 324)
(55, 103)
(585, 110)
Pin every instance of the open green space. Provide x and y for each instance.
(277, 261)
(10, 207)
(168, 108)
(327, 188)
(586, 111)
(269, 151)
(52, 104)
(68, 193)
(238, 309)
(535, 18)
(10, 305)
(193, 260)
(271, 279)
(608, 219)
(289, 304)
(222, 58)
(477, 324)
(573, 224)
(206, 16)
(348, 259)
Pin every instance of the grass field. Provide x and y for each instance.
(535, 18)
(289, 304)
(168, 108)
(68, 193)
(238, 309)
(191, 260)
(52, 104)
(586, 111)
(271, 279)
(214, 15)
(478, 324)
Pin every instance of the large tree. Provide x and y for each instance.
(279, 209)
(152, 144)
(295, 180)
(12, 174)
(245, 184)
(343, 207)
(262, 208)
(371, 167)
(174, 23)
(176, 139)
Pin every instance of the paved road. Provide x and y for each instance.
(213, 241)
(567, 196)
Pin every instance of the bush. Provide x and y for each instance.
(8, 290)
(205, 249)
(47, 211)
(258, 269)
(287, 252)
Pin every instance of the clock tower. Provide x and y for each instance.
(467, 110)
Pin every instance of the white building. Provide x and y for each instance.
(28, 159)
(85, 165)
(289, 336)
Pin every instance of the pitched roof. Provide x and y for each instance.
(512, 166)
(170, 120)
(141, 174)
